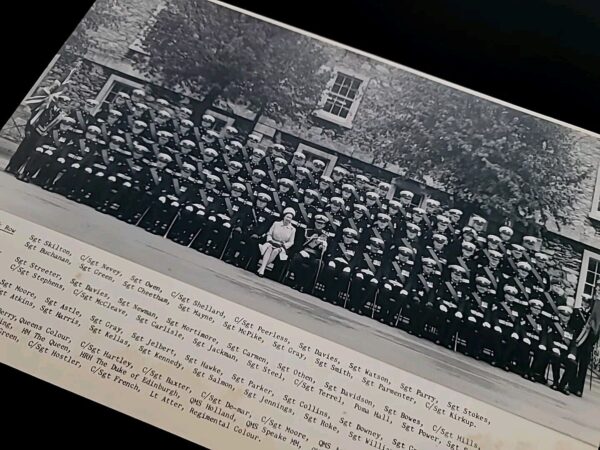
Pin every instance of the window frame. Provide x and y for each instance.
(110, 83)
(329, 117)
(583, 271)
(328, 158)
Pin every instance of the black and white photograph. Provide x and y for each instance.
(443, 232)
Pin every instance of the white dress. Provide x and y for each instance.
(281, 234)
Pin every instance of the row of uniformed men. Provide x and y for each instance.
(160, 181)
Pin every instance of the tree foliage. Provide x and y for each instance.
(104, 14)
(501, 160)
(200, 46)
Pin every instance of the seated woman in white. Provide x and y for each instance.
(280, 238)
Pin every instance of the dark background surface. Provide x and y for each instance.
(539, 54)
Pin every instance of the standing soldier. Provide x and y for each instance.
(367, 273)
(115, 125)
(563, 351)
(278, 151)
(86, 149)
(455, 216)
(54, 144)
(138, 96)
(398, 218)
(397, 274)
(337, 270)
(432, 206)
(42, 121)
(121, 102)
(362, 185)
(349, 196)
(318, 167)
(373, 203)
(406, 197)
(339, 175)
(159, 194)
(383, 189)
(325, 190)
(479, 224)
(539, 270)
(585, 322)
(130, 195)
(209, 160)
(306, 264)
(506, 234)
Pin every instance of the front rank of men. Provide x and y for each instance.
(418, 269)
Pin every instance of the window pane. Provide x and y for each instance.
(342, 95)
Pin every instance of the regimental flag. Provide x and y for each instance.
(592, 325)
(51, 93)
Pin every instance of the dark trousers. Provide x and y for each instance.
(335, 282)
(25, 149)
(303, 271)
(584, 356)
(362, 294)
(390, 302)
